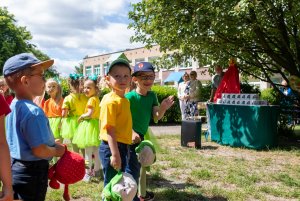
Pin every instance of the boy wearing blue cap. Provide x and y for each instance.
(143, 106)
(29, 136)
(115, 121)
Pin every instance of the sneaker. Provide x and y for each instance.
(149, 196)
(86, 178)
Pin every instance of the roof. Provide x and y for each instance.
(174, 77)
(116, 56)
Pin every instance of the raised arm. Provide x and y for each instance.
(159, 111)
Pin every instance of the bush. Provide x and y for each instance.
(246, 88)
(172, 115)
(205, 92)
(270, 95)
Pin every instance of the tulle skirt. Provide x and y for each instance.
(87, 134)
(54, 125)
(69, 127)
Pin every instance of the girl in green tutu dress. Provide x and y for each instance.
(87, 134)
(72, 108)
(52, 106)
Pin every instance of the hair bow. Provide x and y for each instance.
(74, 76)
(93, 77)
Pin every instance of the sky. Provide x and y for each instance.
(69, 30)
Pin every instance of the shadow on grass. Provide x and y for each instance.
(172, 194)
(166, 190)
(209, 147)
(288, 143)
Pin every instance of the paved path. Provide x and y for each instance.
(168, 129)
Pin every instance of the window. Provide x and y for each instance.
(97, 69)
(105, 66)
(88, 70)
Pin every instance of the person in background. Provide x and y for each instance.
(53, 106)
(29, 136)
(182, 95)
(193, 89)
(6, 191)
(4, 91)
(216, 80)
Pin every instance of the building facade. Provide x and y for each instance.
(99, 64)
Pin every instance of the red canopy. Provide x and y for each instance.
(230, 82)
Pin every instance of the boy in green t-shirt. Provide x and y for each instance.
(143, 106)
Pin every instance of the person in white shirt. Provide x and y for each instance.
(182, 94)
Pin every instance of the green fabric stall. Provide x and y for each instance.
(244, 126)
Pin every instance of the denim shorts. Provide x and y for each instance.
(30, 179)
(105, 154)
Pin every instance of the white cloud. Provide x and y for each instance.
(68, 30)
(65, 67)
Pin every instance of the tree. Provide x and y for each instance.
(79, 69)
(262, 35)
(15, 40)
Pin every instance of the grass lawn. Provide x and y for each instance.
(212, 173)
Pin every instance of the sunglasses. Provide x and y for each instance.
(150, 77)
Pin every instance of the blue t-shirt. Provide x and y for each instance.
(27, 127)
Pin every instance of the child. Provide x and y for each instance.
(116, 122)
(4, 91)
(6, 193)
(52, 106)
(87, 134)
(143, 105)
(73, 106)
(29, 136)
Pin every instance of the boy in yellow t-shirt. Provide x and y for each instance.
(116, 122)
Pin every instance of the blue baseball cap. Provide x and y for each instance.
(22, 61)
(119, 61)
(143, 67)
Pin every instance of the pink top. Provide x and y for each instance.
(4, 107)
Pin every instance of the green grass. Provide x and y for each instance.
(212, 173)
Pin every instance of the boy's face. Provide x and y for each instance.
(144, 80)
(119, 78)
(51, 88)
(34, 82)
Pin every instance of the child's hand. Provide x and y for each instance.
(60, 149)
(7, 194)
(135, 138)
(80, 119)
(167, 102)
(115, 162)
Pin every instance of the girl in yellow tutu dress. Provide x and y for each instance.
(87, 134)
(72, 108)
(52, 106)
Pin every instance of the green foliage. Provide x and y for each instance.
(65, 86)
(270, 95)
(173, 114)
(249, 89)
(205, 92)
(103, 92)
(15, 40)
(262, 35)
(79, 69)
